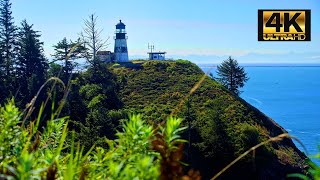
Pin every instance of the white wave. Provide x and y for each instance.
(256, 100)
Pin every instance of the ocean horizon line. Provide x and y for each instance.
(265, 65)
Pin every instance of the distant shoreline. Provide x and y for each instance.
(263, 65)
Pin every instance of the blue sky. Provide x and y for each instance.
(203, 31)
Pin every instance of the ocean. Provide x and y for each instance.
(290, 95)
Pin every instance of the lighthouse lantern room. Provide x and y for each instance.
(120, 44)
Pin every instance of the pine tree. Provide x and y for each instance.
(3, 89)
(31, 63)
(68, 51)
(231, 75)
(7, 46)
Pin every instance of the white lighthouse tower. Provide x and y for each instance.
(120, 44)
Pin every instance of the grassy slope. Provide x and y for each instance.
(224, 126)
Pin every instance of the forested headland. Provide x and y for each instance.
(137, 119)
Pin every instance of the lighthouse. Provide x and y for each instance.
(120, 44)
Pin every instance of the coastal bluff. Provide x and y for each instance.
(223, 125)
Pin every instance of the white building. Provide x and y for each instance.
(120, 44)
(157, 55)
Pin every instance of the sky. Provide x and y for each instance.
(203, 31)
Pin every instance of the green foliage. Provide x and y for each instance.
(31, 64)
(137, 161)
(181, 61)
(27, 153)
(223, 126)
(54, 70)
(313, 171)
(156, 89)
(8, 32)
(23, 67)
(231, 75)
(68, 52)
(9, 118)
(170, 146)
(93, 104)
(171, 132)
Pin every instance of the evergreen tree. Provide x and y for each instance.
(3, 89)
(231, 75)
(94, 103)
(7, 46)
(31, 63)
(68, 52)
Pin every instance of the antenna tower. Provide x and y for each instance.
(151, 47)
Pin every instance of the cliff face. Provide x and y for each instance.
(223, 125)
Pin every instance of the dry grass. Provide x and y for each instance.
(30, 106)
(184, 99)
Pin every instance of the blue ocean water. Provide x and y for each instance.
(290, 95)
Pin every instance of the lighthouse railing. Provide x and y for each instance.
(120, 31)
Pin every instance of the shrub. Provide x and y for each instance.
(138, 152)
